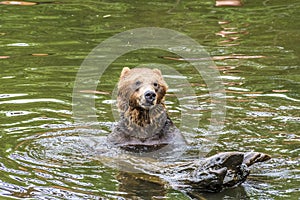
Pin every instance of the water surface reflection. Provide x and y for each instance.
(42, 46)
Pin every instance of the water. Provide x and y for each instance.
(255, 47)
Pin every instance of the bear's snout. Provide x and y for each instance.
(150, 96)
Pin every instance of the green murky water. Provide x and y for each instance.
(255, 47)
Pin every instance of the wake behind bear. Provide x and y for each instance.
(145, 126)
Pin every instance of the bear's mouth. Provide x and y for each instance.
(147, 105)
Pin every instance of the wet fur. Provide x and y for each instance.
(139, 126)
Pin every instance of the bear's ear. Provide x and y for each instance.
(125, 70)
(157, 71)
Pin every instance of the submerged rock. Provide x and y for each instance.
(215, 173)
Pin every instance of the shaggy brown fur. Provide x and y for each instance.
(144, 120)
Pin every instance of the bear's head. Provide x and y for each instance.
(140, 88)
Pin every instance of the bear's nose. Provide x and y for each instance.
(150, 96)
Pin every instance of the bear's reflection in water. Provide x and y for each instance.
(141, 186)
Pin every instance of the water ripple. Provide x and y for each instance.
(284, 96)
(55, 164)
(23, 101)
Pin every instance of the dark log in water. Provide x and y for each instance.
(214, 173)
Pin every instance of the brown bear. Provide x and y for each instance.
(144, 122)
(145, 126)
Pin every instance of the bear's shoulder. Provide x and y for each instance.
(122, 137)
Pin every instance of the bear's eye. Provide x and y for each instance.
(155, 84)
(138, 83)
